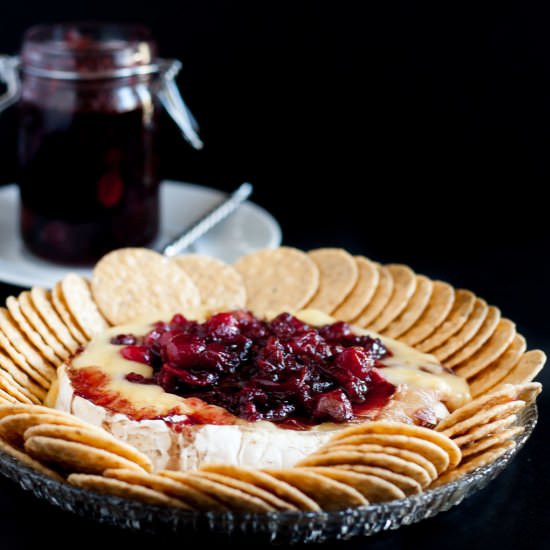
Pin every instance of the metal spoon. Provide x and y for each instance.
(206, 222)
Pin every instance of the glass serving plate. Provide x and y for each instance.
(276, 527)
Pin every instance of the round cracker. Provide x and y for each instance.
(219, 284)
(407, 484)
(485, 331)
(439, 306)
(33, 335)
(461, 310)
(21, 361)
(489, 442)
(34, 409)
(66, 316)
(506, 394)
(92, 436)
(466, 333)
(6, 398)
(75, 457)
(8, 385)
(281, 489)
(474, 462)
(362, 293)
(130, 283)
(331, 495)
(110, 486)
(32, 316)
(484, 416)
(378, 459)
(411, 430)
(492, 374)
(435, 454)
(13, 426)
(374, 489)
(249, 489)
(483, 431)
(278, 279)
(194, 499)
(42, 301)
(414, 309)
(399, 452)
(338, 273)
(379, 299)
(404, 285)
(234, 499)
(19, 341)
(493, 348)
(77, 296)
(529, 365)
(27, 461)
(19, 376)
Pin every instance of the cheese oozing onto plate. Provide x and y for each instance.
(154, 421)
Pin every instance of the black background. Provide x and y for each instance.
(404, 131)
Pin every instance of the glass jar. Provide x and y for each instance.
(89, 101)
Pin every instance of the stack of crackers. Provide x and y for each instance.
(367, 463)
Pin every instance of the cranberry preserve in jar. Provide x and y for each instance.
(88, 119)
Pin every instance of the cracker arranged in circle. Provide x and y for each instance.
(414, 309)
(492, 374)
(378, 459)
(529, 365)
(362, 293)
(485, 331)
(379, 299)
(193, 499)
(6, 398)
(278, 279)
(27, 461)
(439, 306)
(8, 385)
(33, 335)
(338, 275)
(484, 416)
(47, 334)
(461, 310)
(114, 487)
(331, 495)
(483, 402)
(13, 426)
(34, 409)
(407, 484)
(374, 489)
(493, 348)
(92, 436)
(281, 489)
(474, 462)
(66, 316)
(248, 488)
(404, 285)
(18, 340)
(77, 296)
(75, 457)
(234, 499)
(466, 333)
(21, 361)
(491, 441)
(130, 283)
(410, 430)
(220, 285)
(399, 452)
(21, 378)
(435, 454)
(483, 431)
(42, 301)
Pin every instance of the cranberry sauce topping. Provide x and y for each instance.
(283, 371)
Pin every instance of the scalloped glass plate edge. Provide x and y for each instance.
(277, 527)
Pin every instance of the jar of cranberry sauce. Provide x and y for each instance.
(89, 102)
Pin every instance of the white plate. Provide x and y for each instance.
(249, 228)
